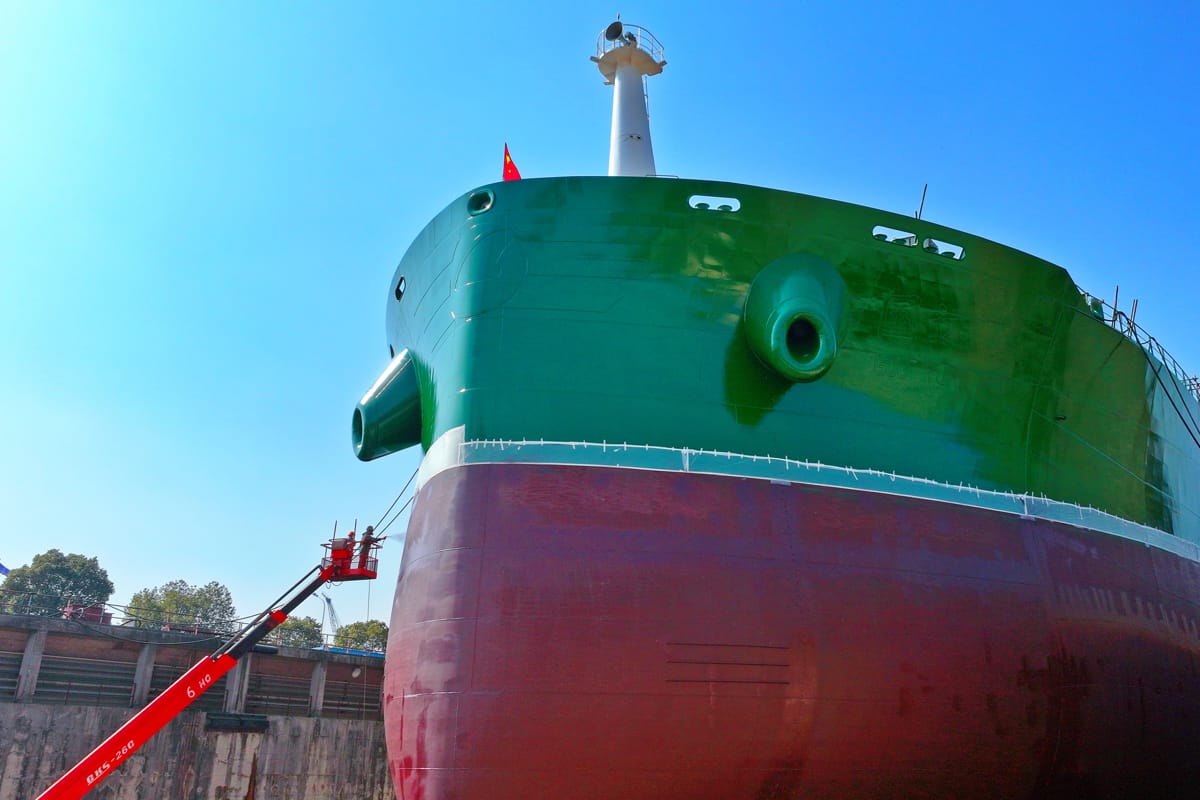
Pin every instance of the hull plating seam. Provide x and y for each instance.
(451, 450)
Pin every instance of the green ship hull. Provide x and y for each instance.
(611, 310)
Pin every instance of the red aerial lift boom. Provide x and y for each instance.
(344, 560)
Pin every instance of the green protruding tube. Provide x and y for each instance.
(792, 315)
(388, 417)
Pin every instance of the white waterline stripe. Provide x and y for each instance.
(450, 450)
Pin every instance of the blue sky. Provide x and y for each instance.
(201, 206)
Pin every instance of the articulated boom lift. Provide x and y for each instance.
(343, 561)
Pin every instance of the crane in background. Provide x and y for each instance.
(335, 624)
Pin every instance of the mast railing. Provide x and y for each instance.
(634, 35)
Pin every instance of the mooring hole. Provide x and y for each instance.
(479, 202)
(894, 236)
(803, 341)
(940, 248)
(704, 202)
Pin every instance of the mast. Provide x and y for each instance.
(625, 54)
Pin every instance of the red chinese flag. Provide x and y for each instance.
(511, 173)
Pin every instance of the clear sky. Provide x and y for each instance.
(201, 206)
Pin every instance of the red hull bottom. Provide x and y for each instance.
(583, 632)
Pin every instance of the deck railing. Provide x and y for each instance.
(1126, 324)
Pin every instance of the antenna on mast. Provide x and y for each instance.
(625, 55)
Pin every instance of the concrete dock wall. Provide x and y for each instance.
(286, 725)
(297, 758)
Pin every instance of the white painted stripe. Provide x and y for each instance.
(451, 450)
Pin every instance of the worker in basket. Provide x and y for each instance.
(368, 539)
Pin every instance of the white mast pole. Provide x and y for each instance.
(625, 54)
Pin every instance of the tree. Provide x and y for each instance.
(178, 604)
(369, 635)
(51, 581)
(298, 632)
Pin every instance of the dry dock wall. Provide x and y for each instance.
(297, 758)
(294, 725)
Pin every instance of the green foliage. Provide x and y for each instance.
(178, 604)
(369, 635)
(51, 581)
(298, 632)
